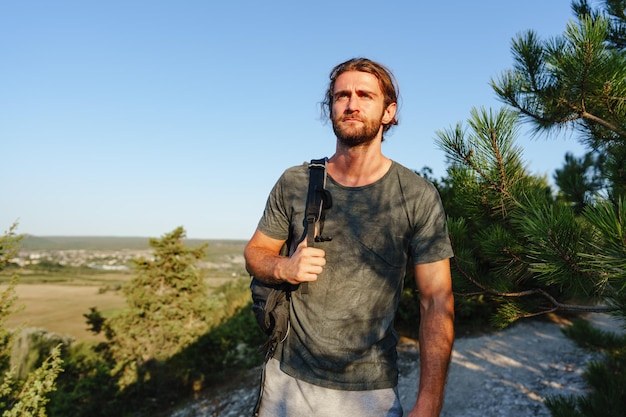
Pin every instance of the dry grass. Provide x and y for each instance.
(59, 308)
(57, 300)
(58, 305)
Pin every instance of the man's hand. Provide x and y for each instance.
(263, 260)
(304, 265)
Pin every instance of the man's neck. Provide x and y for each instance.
(358, 166)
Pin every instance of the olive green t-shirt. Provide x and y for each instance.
(342, 334)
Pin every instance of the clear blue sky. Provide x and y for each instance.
(130, 118)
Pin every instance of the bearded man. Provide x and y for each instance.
(339, 357)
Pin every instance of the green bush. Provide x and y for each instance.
(89, 388)
(85, 388)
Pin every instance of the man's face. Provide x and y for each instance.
(358, 110)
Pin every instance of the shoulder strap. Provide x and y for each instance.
(318, 199)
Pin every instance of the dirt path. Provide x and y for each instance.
(509, 373)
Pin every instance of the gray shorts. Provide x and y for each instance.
(285, 396)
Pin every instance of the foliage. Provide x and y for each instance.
(7, 302)
(513, 241)
(166, 308)
(530, 251)
(581, 180)
(86, 386)
(28, 396)
(9, 246)
(516, 242)
(594, 339)
(576, 80)
(174, 338)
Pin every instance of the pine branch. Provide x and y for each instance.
(526, 293)
(610, 126)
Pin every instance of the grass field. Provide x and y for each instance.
(59, 308)
(57, 304)
(56, 300)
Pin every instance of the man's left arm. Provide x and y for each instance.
(436, 335)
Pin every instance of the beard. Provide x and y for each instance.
(357, 134)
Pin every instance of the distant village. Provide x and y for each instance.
(107, 260)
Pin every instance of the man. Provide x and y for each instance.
(339, 357)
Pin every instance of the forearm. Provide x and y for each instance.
(436, 337)
(263, 264)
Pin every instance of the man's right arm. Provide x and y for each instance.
(264, 262)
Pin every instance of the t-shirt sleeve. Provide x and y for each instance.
(431, 241)
(275, 219)
(285, 204)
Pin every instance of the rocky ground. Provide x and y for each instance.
(508, 373)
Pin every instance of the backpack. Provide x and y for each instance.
(270, 303)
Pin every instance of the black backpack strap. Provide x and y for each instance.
(272, 307)
(318, 199)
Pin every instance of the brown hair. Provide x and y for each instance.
(386, 79)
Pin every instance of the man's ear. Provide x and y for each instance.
(390, 113)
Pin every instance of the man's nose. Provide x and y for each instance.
(353, 103)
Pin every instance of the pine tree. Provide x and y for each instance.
(577, 81)
(166, 309)
(532, 251)
(513, 240)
